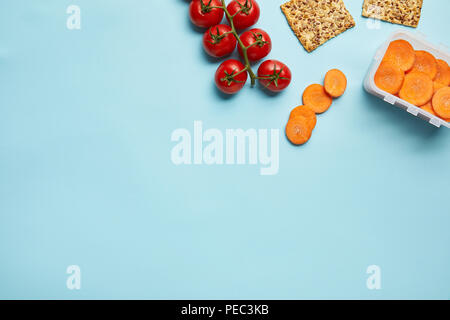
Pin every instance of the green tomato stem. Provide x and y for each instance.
(244, 49)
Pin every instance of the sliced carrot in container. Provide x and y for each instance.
(437, 86)
(335, 83)
(389, 77)
(441, 103)
(429, 108)
(443, 73)
(317, 98)
(426, 63)
(298, 131)
(401, 53)
(417, 88)
(305, 113)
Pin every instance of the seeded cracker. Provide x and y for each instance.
(314, 22)
(406, 12)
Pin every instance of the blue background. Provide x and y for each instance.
(86, 176)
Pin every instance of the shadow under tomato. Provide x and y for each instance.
(211, 59)
(267, 92)
(194, 28)
(224, 96)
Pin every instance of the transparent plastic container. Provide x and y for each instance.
(419, 42)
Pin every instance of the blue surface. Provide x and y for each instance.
(86, 176)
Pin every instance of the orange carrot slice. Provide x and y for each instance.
(417, 88)
(317, 98)
(401, 53)
(389, 77)
(437, 86)
(305, 113)
(443, 73)
(441, 103)
(298, 131)
(426, 63)
(429, 108)
(335, 83)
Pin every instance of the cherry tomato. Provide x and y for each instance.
(230, 77)
(248, 13)
(203, 15)
(217, 43)
(276, 75)
(258, 43)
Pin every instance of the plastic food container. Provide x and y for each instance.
(419, 43)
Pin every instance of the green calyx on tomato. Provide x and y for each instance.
(274, 77)
(206, 8)
(245, 13)
(231, 77)
(216, 38)
(259, 40)
(245, 8)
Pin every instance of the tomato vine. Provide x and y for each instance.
(244, 49)
(253, 45)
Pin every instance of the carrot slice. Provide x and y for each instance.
(441, 103)
(298, 131)
(429, 108)
(317, 98)
(417, 88)
(437, 86)
(305, 113)
(426, 63)
(335, 83)
(443, 73)
(401, 53)
(389, 77)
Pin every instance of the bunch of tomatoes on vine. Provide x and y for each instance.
(220, 40)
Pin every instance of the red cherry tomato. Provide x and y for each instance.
(258, 43)
(230, 77)
(203, 15)
(217, 43)
(275, 75)
(248, 13)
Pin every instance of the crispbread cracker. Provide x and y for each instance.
(314, 22)
(406, 12)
